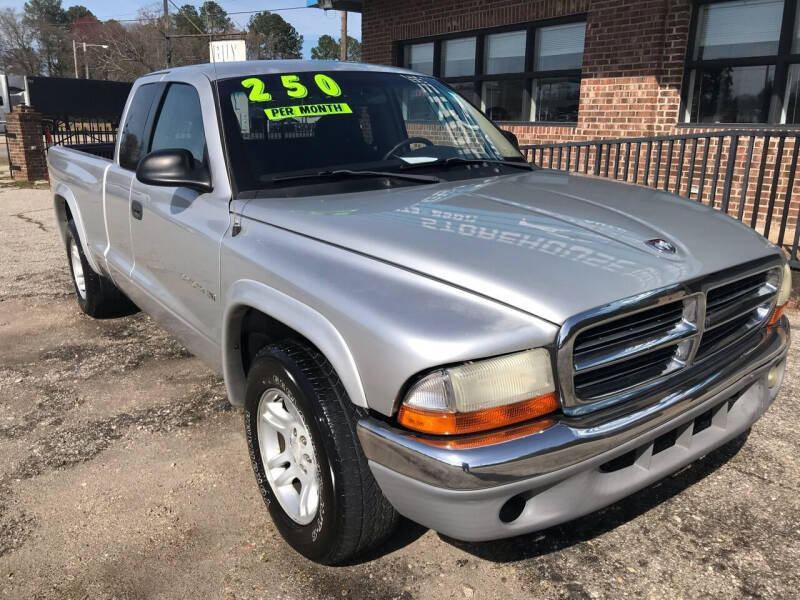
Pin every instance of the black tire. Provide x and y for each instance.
(353, 515)
(100, 298)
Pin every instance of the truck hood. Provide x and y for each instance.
(548, 243)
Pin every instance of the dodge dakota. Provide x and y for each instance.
(414, 319)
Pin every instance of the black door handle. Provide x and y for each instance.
(136, 209)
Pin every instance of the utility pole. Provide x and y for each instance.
(343, 40)
(167, 43)
(85, 57)
(75, 57)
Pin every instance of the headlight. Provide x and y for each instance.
(784, 293)
(482, 395)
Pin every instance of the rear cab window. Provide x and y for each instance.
(133, 145)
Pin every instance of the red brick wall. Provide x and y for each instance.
(632, 62)
(384, 22)
(25, 144)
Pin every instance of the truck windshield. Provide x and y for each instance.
(323, 123)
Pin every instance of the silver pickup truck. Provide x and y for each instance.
(415, 320)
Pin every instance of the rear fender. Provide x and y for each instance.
(63, 198)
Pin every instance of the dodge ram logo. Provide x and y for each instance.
(662, 246)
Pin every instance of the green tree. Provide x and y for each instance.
(76, 12)
(48, 20)
(353, 49)
(269, 36)
(327, 48)
(211, 18)
(215, 18)
(48, 11)
(187, 20)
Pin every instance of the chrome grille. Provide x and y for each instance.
(633, 348)
(617, 352)
(735, 309)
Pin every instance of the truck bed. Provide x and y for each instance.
(79, 171)
(103, 150)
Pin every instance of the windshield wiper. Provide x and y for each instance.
(350, 173)
(458, 160)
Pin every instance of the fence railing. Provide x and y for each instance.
(67, 131)
(745, 173)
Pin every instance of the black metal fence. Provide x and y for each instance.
(78, 111)
(63, 131)
(747, 174)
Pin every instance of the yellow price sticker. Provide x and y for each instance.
(307, 110)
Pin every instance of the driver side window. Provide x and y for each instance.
(180, 122)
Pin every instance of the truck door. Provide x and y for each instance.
(176, 231)
(117, 200)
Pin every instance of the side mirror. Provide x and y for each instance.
(510, 137)
(174, 167)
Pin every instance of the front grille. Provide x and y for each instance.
(631, 349)
(624, 374)
(612, 358)
(733, 310)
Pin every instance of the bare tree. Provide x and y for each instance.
(133, 50)
(18, 54)
(39, 41)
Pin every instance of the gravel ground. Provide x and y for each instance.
(124, 474)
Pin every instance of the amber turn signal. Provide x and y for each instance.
(456, 423)
(492, 437)
(776, 315)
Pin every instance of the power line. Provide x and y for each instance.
(249, 12)
(239, 12)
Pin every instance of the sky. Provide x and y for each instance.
(311, 23)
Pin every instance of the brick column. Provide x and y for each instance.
(25, 144)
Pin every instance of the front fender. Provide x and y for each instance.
(248, 294)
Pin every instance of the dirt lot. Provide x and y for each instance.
(124, 474)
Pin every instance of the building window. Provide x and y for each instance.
(467, 89)
(793, 95)
(505, 52)
(743, 62)
(738, 29)
(419, 57)
(503, 99)
(560, 47)
(458, 57)
(528, 73)
(555, 99)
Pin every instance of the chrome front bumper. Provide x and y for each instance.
(558, 471)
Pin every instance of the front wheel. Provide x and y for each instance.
(308, 463)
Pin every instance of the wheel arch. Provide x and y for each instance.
(66, 207)
(255, 308)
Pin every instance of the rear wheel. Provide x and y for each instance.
(308, 463)
(97, 296)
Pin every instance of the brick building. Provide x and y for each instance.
(559, 70)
